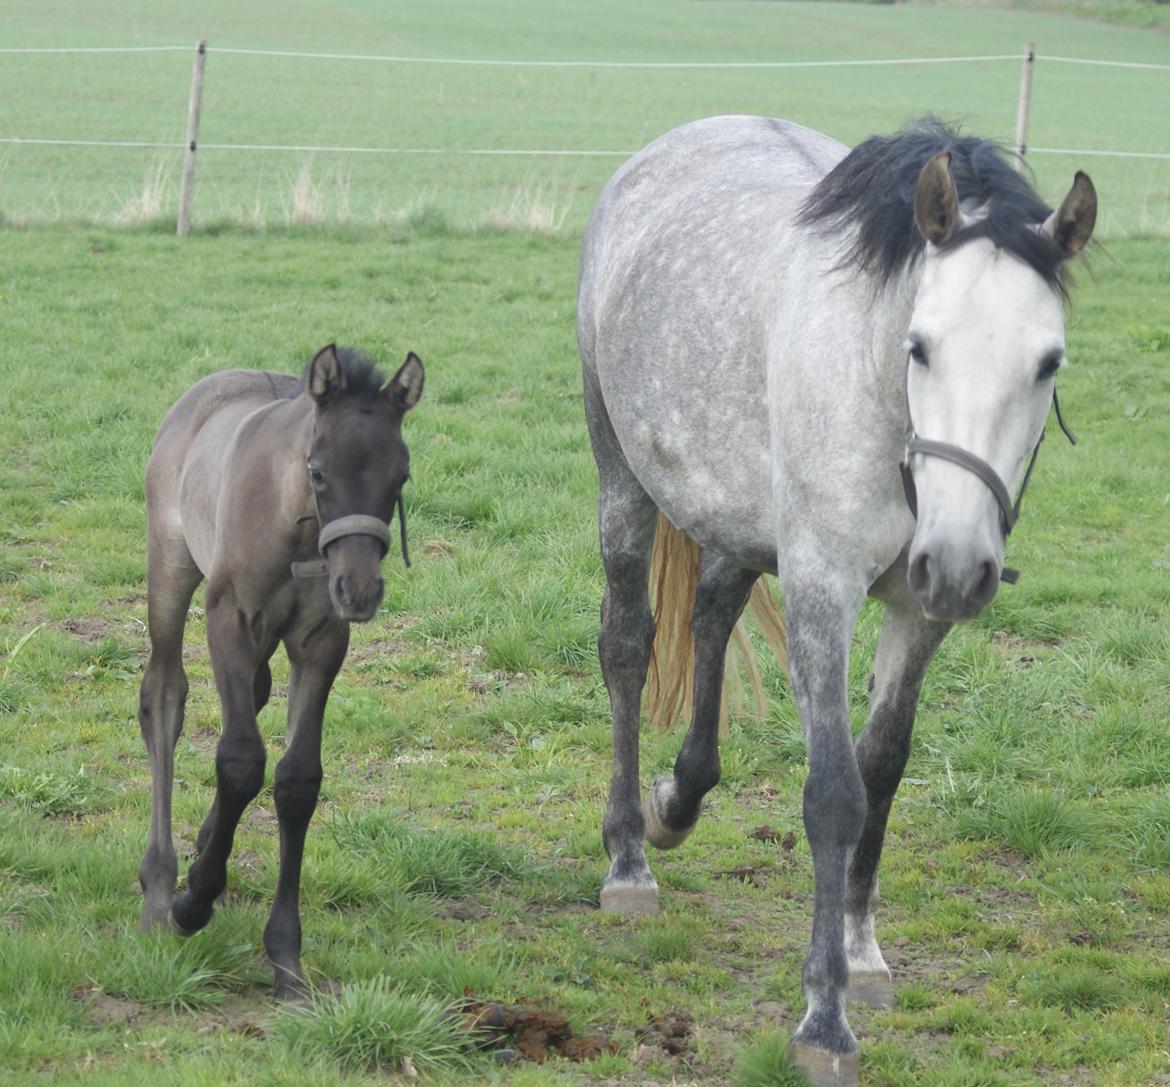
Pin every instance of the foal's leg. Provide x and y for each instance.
(261, 690)
(821, 613)
(171, 580)
(627, 521)
(298, 780)
(907, 643)
(672, 806)
(239, 758)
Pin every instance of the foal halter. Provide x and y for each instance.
(354, 524)
(1009, 511)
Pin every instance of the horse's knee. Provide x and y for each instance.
(834, 808)
(239, 767)
(295, 792)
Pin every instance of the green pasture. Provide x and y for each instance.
(373, 104)
(457, 848)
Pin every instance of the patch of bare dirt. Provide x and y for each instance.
(670, 1032)
(89, 628)
(533, 1034)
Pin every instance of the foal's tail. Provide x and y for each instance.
(674, 575)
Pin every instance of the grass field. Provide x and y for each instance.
(265, 100)
(457, 848)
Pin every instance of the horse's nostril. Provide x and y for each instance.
(986, 584)
(339, 590)
(921, 573)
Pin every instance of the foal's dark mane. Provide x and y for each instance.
(872, 189)
(363, 379)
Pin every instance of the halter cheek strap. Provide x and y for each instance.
(1009, 511)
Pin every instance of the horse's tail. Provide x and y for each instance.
(674, 576)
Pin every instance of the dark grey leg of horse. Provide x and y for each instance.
(239, 758)
(261, 690)
(673, 805)
(171, 582)
(627, 520)
(298, 781)
(907, 643)
(820, 625)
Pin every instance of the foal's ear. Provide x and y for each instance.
(936, 201)
(1071, 225)
(326, 378)
(405, 387)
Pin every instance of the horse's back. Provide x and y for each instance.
(684, 257)
(188, 462)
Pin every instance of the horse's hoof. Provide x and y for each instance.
(289, 988)
(630, 898)
(155, 915)
(658, 834)
(875, 990)
(823, 1068)
(185, 920)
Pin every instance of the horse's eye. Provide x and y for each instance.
(1049, 366)
(315, 474)
(917, 353)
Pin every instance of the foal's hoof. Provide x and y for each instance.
(875, 990)
(823, 1068)
(186, 918)
(658, 834)
(630, 898)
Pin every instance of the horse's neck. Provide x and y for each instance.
(284, 430)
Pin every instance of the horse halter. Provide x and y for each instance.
(354, 524)
(1009, 511)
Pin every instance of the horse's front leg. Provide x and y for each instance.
(907, 643)
(821, 613)
(239, 758)
(315, 663)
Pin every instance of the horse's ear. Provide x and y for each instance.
(936, 200)
(326, 378)
(405, 387)
(1071, 225)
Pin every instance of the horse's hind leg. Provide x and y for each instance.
(672, 806)
(627, 521)
(239, 757)
(907, 643)
(171, 580)
(298, 781)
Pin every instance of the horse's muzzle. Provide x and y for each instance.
(952, 587)
(356, 600)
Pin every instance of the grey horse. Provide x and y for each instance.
(279, 493)
(834, 366)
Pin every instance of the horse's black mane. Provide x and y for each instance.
(363, 379)
(873, 187)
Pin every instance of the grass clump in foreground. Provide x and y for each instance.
(376, 1026)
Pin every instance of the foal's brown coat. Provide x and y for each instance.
(247, 469)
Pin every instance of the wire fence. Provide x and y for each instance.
(192, 143)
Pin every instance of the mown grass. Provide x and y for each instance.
(458, 847)
(365, 104)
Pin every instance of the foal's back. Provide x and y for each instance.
(192, 448)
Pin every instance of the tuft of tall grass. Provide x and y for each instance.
(47, 792)
(376, 1026)
(765, 1063)
(1031, 822)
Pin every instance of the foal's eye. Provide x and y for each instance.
(917, 353)
(315, 474)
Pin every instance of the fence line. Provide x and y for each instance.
(515, 151)
(714, 64)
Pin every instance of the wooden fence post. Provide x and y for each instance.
(1025, 105)
(194, 105)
